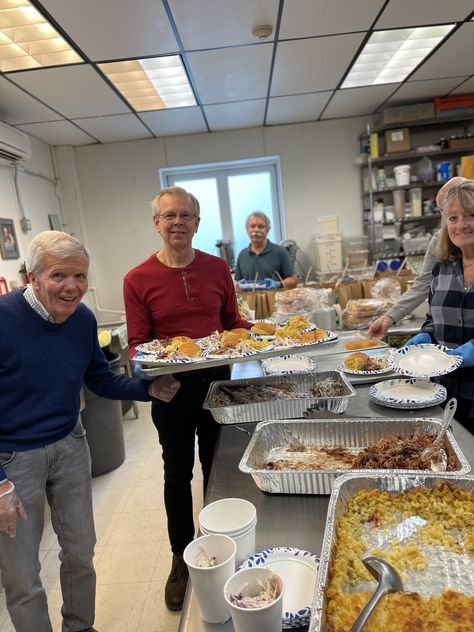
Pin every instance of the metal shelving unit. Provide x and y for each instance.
(450, 125)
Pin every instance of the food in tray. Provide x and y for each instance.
(386, 453)
(240, 332)
(361, 344)
(429, 556)
(265, 594)
(360, 361)
(230, 395)
(263, 329)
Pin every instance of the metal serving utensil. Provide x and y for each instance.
(434, 454)
(389, 581)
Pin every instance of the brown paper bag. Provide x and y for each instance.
(347, 291)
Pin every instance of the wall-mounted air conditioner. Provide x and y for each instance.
(15, 146)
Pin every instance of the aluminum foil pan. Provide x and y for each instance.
(349, 433)
(280, 408)
(450, 569)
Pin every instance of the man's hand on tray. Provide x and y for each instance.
(164, 387)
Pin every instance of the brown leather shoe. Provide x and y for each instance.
(176, 583)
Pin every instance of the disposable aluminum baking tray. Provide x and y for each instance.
(349, 433)
(279, 408)
(448, 569)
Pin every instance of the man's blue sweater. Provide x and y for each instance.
(42, 368)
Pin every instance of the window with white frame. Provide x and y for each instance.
(228, 192)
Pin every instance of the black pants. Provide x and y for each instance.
(178, 422)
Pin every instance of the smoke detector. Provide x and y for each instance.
(262, 31)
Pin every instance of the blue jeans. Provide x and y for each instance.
(59, 472)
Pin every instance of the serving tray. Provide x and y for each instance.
(278, 408)
(447, 568)
(349, 433)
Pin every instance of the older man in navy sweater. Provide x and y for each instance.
(48, 349)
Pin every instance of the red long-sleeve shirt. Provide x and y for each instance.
(194, 301)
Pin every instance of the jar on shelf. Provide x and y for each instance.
(379, 210)
(381, 179)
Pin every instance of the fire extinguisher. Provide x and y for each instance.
(3, 285)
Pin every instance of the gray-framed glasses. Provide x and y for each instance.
(172, 217)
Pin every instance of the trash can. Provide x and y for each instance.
(102, 420)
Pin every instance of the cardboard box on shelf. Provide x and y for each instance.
(397, 140)
(461, 143)
(408, 113)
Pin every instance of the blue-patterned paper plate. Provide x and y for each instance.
(298, 570)
(288, 364)
(409, 393)
(425, 360)
(155, 358)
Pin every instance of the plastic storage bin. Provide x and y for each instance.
(329, 252)
(416, 244)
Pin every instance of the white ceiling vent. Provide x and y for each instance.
(15, 146)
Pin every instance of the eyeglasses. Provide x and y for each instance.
(172, 217)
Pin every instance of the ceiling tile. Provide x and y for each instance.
(357, 101)
(109, 129)
(74, 91)
(454, 58)
(312, 65)
(18, 107)
(296, 109)
(401, 13)
(319, 17)
(231, 22)
(109, 29)
(57, 133)
(235, 115)
(176, 121)
(231, 74)
(465, 88)
(423, 90)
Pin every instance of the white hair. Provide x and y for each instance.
(55, 243)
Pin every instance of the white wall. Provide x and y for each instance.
(116, 181)
(37, 195)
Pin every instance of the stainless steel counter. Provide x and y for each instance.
(285, 520)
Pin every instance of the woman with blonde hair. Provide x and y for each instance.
(450, 320)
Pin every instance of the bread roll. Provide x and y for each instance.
(178, 341)
(241, 332)
(191, 349)
(265, 329)
(229, 339)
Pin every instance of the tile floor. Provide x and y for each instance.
(132, 557)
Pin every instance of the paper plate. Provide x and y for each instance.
(298, 570)
(288, 364)
(424, 361)
(409, 394)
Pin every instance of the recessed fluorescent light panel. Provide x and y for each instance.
(27, 40)
(390, 56)
(151, 84)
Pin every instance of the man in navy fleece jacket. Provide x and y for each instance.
(48, 349)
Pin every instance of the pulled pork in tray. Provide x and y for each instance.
(386, 453)
(230, 395)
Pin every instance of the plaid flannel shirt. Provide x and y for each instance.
(450, 322)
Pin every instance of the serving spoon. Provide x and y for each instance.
(434, 454)
(389, 581)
